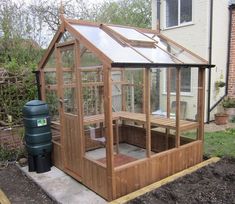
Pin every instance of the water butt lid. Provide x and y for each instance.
(35, 107)
(35, 103)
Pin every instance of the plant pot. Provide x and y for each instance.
(221, 118)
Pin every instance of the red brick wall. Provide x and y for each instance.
(231, 81)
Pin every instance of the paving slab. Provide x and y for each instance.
(212, 127)
(62, 188)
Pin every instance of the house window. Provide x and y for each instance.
(178, 12)
(185, 80)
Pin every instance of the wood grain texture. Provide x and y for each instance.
(136, 136)
(141, 118)
(177, 114)
(159, 166)
(71, 143)
(56, 155)
(201, 103)
(95, 177)
(109, 131)
(147, 112)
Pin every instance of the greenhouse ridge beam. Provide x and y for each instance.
(162, 65)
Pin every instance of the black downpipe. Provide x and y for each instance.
(38, 84)
(229, 47)
(159, 14)
(210, 57)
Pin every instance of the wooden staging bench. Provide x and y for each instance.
(141, 118)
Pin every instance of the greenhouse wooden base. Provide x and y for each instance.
(135, 174)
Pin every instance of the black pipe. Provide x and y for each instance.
(210, 57)
(217, 103)
(159, 14)
(229, 46)
(38, 83)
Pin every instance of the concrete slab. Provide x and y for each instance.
(124, 148)
(62, 188)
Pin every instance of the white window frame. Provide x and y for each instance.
(174, 93)
(179, 24)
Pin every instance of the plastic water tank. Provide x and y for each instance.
(38, 135)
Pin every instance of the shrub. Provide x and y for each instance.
(228, 103)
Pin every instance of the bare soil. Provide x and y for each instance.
(19, 188)
(214, 183)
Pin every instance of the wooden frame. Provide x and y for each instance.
(108, 179)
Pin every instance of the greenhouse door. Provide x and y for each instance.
(69, 108)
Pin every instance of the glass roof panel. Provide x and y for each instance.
(178, 52)
(109, 46)
(156, 55)
(131, 34)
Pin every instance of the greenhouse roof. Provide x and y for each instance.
(124, 46)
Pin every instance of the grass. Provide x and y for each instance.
(221, 143)
(11, 155)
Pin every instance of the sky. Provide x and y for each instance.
(47, 36)
(31, 1)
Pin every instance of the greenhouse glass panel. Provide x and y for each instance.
(131, 34)
(180, 53)
(110, 47)
(157, 55)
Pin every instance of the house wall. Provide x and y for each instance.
(231, 82)
(219, 47)
(195, 37)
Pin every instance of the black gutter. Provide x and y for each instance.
(38, 84)
(210, 57)
(159, 65)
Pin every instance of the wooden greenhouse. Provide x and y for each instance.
(116, 99)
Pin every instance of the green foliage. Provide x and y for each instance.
(18, 48)
(230, 131)
(15, 94)
(89, 59)
(6, 154)
(220, 143)
(12, 66)
(228, 103)
(12, 154)
(126, 12)
(52, 101)
(19, 54)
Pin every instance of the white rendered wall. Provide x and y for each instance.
(195, 37)
(219, 46)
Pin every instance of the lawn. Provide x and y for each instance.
(221, 143)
